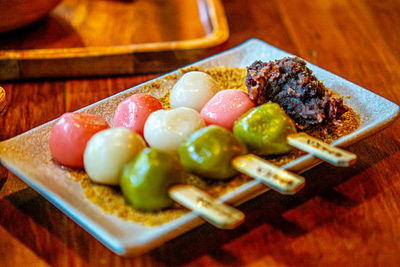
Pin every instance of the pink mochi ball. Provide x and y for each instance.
(225, 107)
(132, 112)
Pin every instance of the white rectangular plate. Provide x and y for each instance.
(28, 156)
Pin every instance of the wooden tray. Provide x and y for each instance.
(113, 37)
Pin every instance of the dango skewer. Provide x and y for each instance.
(151, 179)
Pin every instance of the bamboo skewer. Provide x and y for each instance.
(324, 151)
(281, 180)
(213, 211)
(284, 181)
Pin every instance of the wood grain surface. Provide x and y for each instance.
(343, 217)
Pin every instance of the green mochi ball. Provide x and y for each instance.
(145, 180)
(264, 129)
(208, 152)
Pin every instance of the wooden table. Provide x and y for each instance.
(343, 216)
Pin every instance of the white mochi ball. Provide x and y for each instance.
(108, 151)
(193, 90)
(167, 129)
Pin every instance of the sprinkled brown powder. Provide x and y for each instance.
(111, 200)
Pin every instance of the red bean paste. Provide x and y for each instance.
(292, 85)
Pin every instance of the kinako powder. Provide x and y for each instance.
(110, 199)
